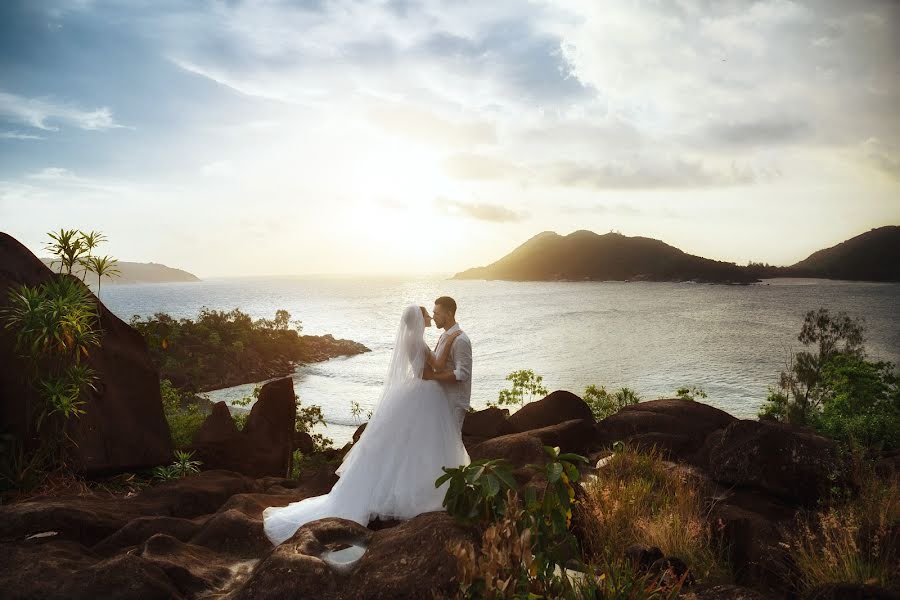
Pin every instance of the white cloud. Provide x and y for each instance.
(41, 112)
(15, 135)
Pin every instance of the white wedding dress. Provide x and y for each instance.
(390, 471)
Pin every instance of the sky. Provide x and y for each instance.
(275, 137)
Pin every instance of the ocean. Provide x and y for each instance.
(731, 341)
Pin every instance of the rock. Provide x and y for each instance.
(288, 574)
(190, 568)
(850, 591)
(359, 432)
(790, 462)
(303, 442)
(485, 424)
(141, 529)
(66, 570)
(641, 557)
(265, 445)
(124, 427)
(317, 348)
(670, 571)
(518, 448)
(725, 592)
(419, 545)
(528, 447)
(676, 427)
(231, 532)
(559, 406)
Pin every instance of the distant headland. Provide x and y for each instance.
(588, 256)
(135, 272)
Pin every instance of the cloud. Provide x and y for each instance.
(491, 213)
(62, 178)
(882, 157)
(635, 171)
(36, 112)
(15, 135)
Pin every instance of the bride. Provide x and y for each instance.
(390, 471)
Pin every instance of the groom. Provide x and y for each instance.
(457, 376)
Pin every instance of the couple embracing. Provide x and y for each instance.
(415, 429)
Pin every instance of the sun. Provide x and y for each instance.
(394, 189)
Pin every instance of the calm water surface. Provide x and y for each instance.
(653, 337)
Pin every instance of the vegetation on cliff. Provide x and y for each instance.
(224, 348)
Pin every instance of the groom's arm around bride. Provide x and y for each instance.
(458, 378)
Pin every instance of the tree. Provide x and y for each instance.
(523, 382)
(103, 266)
(800, 390)
(68, 246)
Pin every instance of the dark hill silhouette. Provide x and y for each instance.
(871, 256)
(585, 255)
(135, 272)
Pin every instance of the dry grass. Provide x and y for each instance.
(856, 541)
(636, 499)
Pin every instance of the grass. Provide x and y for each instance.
(638, 499)
(854, 541)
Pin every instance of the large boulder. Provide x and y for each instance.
(786, 461)
(124, 426)
(559, 406)
(676, 427)
(265, 445)
(480, 425)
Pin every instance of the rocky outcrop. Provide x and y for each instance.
(124, 426)
(559, 406)
(678, 428)
(265, 445)
(317, 348)
(789, 462)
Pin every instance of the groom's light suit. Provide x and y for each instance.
(459, 392)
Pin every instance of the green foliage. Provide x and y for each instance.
(835, 389)
(219, 347)
(183, 466)
(524, 543)
(860, 402)
(240, 418)
(356, 411)
(800, 392)
(690, 393)
(603, 404)
(473, 493)
(523, 382)
(55, 327)
(182, 413)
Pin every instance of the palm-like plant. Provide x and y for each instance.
(103, 266)
(90, 241)
(68, 246)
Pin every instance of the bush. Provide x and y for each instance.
(524, 544)
(182, 414)
(603, 404)
(836, 389)
(523, 382)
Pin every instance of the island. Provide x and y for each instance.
(136, 272)
(588, 256)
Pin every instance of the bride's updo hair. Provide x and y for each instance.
(411, 316)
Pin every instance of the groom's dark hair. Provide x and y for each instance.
(448, 303)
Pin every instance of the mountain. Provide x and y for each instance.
(134, 272)
(585, 255)
(871, 256)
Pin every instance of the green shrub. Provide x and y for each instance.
(182, 414)
(523, 382)
(603, 404)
